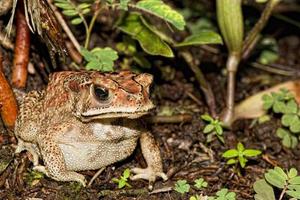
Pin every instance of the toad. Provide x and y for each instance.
(85, 121)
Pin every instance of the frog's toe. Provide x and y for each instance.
(148, 174)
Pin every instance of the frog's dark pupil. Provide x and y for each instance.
(101, 93)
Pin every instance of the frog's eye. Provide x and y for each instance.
(101, 93)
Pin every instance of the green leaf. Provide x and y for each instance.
(231, 161)
(219, 129)
(263, 190)
(279, 107)
(231, 153)
(242, 161)
(295, 194)
(295, 180)
(70, 13)
(275, 178)
(251, 152)
(199, 183)
(124, 4)
(291, 107)
(64, 6)
(268, 57)
(281, 132)
(126, 173)
(240, 147)
(161, 10)
(149, 41)
(100, 58)
(268, 101)
(76, 21)
(208, 128)
(280, 172)
(204, 37)
(83, 6)
(182, 186)
(288, 119)
(207, 118)
(121, 184)
(295, 125)
(292, 173)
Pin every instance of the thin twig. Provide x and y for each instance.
(204, 85)
(65, 26)
(95, 176)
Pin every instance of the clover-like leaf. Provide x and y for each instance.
(182, 186)
(268, 101)
(199, 183)
(163, 11)
(279, 107)
(101, 59)
(295, 125)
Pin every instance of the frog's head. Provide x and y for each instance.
(112, 95)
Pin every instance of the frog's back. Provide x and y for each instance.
(29, 117)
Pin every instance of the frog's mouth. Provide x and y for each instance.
(114, 115)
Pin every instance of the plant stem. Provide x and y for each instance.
(282, 192)
(92, 23)
(253, 34)
(204, 85)
(231, 65)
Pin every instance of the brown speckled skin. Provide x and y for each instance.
(73, 130)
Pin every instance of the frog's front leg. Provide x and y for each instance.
(55, 166)
(152, 156)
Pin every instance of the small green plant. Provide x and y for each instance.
(285, 104)
(239, 155)
(100, 59)
(182, 186)
(287, 182)
(223, 194)
(200, 183)
(214, 127)
(122, 182)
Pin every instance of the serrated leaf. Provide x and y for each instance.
(76, 21)
(204, 37)
(149, 41)
(208, 128)
(251, 152)
(231, 153)
(163, 11)
(275, 178)
(263, 190)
